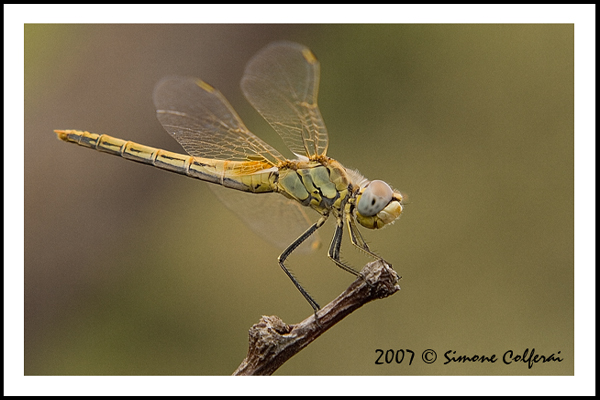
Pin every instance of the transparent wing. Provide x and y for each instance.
(275, 218)
(282, 83)
(204, 123)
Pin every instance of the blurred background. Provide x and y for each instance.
(130, 270)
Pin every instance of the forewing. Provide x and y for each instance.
(204, 123)
(282, 83)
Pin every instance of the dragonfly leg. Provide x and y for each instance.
(289, 251)
(357, 239)
(334, 248)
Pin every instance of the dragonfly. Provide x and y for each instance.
(281, 82)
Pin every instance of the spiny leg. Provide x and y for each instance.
(334, 248)
(293, 247)
(357, 239)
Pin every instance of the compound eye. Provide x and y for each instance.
(375, 198)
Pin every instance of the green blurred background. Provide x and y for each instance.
(132, 270)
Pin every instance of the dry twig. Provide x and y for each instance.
(273, 342)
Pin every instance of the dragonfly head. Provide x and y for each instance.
(378, 205)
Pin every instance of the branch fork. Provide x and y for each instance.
(272, 342)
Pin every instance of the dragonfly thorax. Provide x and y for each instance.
(321, 185)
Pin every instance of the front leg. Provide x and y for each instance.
(356, 238)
